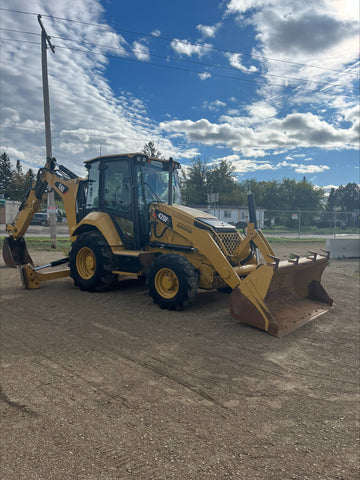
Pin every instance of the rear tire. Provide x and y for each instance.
(172, 281)
(91, 263)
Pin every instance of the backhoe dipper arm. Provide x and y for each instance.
(31, 203)
(65, 183)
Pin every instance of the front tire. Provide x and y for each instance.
(172, 281)
(91, 263)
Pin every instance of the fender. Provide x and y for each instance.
(102, 222)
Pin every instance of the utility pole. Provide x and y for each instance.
(45, 40)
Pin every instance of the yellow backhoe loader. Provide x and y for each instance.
(126, 218)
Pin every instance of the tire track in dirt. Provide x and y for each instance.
(18, 406)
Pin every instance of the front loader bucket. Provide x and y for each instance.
(15, 252)
(280, 297)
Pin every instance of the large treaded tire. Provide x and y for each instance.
(91, 263)
(172, 281)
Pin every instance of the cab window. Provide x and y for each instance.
(117, 186)
(92, 199)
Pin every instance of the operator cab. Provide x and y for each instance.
(124, 186)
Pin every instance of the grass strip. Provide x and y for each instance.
(43, 243)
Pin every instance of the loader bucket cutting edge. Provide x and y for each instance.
(283, 299)
(15, 252)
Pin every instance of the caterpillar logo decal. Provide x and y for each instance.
(60, 186)
(163, 218)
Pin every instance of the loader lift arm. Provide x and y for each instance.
(270, 294)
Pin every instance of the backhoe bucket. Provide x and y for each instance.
(280, 297)
(15, 252)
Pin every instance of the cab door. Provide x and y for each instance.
(117, 193)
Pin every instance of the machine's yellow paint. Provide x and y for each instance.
(166, 283)
(86, 263)
(269, 295)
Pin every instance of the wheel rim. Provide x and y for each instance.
(166, 283)
(85, 263)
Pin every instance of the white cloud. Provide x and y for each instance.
(213, 105)
(233, 112)
(141, 51)
(246, 165)
(235, 60)
(294, 37)
(86, 114)
(308, 32)
(208, 30)
(9, 115)
(305, 169)
(204, 75)
(352, 114)
(297, 130)
(241, 6)
(156, 33)
(261, 110)
(185, 47)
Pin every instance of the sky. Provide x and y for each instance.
(271, 86)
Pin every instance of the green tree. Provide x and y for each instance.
(5, 174)
(151, 150)
(331, 202)
(13, 180)
(16, 186)
(270, 195)
(237, 196)
(220, 179)
(194, 183)
(307, 197)
(347, 197)
(256, 188)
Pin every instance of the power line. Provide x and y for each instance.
(258, 82)
(205, 64)
(198, 72)
(20, 41)
(185, 42)
(20, 31)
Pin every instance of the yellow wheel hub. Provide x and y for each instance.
(166, 283)
(86, 263)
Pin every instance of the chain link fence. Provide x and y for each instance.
(311, 222)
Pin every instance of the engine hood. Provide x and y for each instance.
(193, 217)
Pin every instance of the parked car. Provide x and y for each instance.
(60, 215)
(40, 219)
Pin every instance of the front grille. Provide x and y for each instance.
(230, 242)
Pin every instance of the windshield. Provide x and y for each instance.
(153, 180)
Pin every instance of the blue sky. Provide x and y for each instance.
(270, 85)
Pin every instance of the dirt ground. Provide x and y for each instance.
(108, 386)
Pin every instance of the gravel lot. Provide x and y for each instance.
(108, 386)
